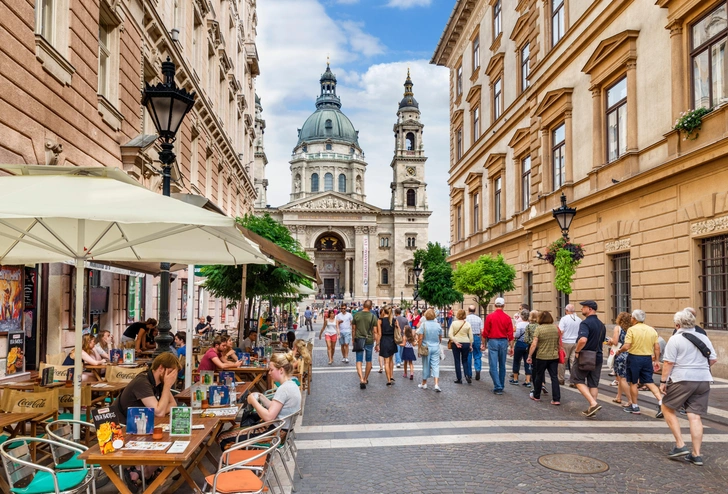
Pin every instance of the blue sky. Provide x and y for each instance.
(371, 43)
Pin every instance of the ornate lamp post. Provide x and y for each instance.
(417, 270)
(167, 105)
(564, 215)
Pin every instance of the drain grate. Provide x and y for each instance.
(569, 463)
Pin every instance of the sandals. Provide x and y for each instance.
(617, 401)
(133, 485)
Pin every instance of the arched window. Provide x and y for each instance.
(314, 183)
(411, 197)
(328, 182)
(342, 183)
(328, 125)
(385, 276)
(328, 147)
(410, 138)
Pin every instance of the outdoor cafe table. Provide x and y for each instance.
(185, 395)
(255, 375)
(184, 463)
(29, 385)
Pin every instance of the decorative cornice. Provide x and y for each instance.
(616, 245)
(709, 226)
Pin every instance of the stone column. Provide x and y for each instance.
(347, 294)
(547, 180)
(632, 142)
(598, 135)
(357, 271)
(679, 77)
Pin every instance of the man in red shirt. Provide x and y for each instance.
(212, 359)
(497, 332)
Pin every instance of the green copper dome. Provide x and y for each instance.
(327, 122)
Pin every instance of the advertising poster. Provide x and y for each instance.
(134, 300)
(15, 361)
(183, 300)
(180, 421)
(11, 298)
(365, 266)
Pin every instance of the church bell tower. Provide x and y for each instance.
(409, 190)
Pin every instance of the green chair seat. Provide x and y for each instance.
(73, 463)
(42, 483)
(65, 416)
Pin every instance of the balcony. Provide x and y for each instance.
(329, 156)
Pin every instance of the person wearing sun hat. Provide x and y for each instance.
(589, 344)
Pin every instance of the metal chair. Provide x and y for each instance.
(239, 478)
(26, 476)
(288, 446)
(236, 455)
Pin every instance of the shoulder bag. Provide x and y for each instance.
(587, 360)
(449, 342)
(422, 349)
(360, 343)
(397, 333)
(562, 353)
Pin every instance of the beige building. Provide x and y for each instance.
(360, 251)
(70, 95)
(580, 98)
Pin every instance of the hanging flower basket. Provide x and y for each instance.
(565, 256)
(690, 122)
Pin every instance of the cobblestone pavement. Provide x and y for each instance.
(401, 439)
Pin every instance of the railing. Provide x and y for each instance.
(329, 156)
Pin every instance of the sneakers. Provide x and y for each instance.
(498, 391)
(695, 460)
(422, 386)
(343, 360)
(458, 381)
(399, 366)
(591, 411)
(437, 388)
(659, 415)
(467, 378)
(528, 385)
(633, 409)
(513, 381)
(477, 375)
(678, 452)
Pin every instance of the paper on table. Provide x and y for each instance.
(218, 412)
(165, 427)
(100, 385)
(178, 447)
(145, 446)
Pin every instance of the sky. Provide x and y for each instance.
(371, 44)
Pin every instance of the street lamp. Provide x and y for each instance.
(564, 215)
(417, 270)
(167, 105)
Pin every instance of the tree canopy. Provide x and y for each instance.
(262, 279)
(436, 287)
(484, 278)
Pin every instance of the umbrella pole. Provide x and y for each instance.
(78, 360)
(190, 324)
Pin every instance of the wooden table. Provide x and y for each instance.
(255, 375)
(184, 463)
(30, 385)
(96, 369)
(185, 395)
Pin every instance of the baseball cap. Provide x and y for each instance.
(500, 301)
(589, 303)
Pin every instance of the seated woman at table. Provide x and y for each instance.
(213, 359)
(286, 401)
(302, 356)
(87, 355)
(150, 389)
(103, 344)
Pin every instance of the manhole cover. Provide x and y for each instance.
(569, 463)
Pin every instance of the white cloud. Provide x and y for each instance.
(293, 55)
(347, 2)
(406, 4)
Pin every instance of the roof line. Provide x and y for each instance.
(437, 55)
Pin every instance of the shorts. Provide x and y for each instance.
(345, 338)
(330, 337)
(639, 369)
(693, 395)
(590, 378)
(368, 350)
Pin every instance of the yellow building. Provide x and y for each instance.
(580, 98)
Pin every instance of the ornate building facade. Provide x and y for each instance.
(361, 251)
(73, 76)
(581, 98)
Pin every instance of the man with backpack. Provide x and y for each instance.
(364, 330)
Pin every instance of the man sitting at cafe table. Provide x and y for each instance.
(151, 389)
(213, 358)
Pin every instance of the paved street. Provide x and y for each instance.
(466, 439)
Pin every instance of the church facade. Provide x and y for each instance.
(361, 251)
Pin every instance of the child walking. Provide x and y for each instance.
(408, 353)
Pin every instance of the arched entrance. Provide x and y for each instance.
(329, 260)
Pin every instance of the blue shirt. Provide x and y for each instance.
(432, 332)
(181, 351)
(307, 314)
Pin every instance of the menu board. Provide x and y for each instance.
(109, 431)
(129, 355)
(11, 298)
(180, 421)
(15, 362)
(139, 420)
(207, 377)
(218, 395)
(227, 378)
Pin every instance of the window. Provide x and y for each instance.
(329, 181)
(459, 81)
(557, 21)
(411, 242)
(708, 55)
(558, 138)
(104, 56)
(385, 276)
(497, 186)
(410, 141)
(458, 224)
(714, 282)
(562, 300)
(384, 242)
(314, 182)
(195, 158)
(342, 183)
(304, 148)
(476, 53)
(497, 19)
(617, 120)
(411, 197)
(525, 54)
(47, 20)
(476, 124)
(528, 287)
(328, 125)
(459, 144)
(328, 147)
(497, 94)
(621, 291)
(476, 212)
(525, 182)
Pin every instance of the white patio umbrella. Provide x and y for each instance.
(85, 214)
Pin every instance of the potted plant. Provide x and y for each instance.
(690, 122)
(565, 256)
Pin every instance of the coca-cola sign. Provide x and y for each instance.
(37, 403)
(126, 375)
(65, 399)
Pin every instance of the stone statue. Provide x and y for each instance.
(297, 185)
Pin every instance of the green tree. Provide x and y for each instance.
(484, 278)
(436, 286)
(262, 279)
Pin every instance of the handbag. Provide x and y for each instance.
(449, 342)
(423, 350)
(359, 344)
(587, 360)
(397, 333)
(562, 353)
